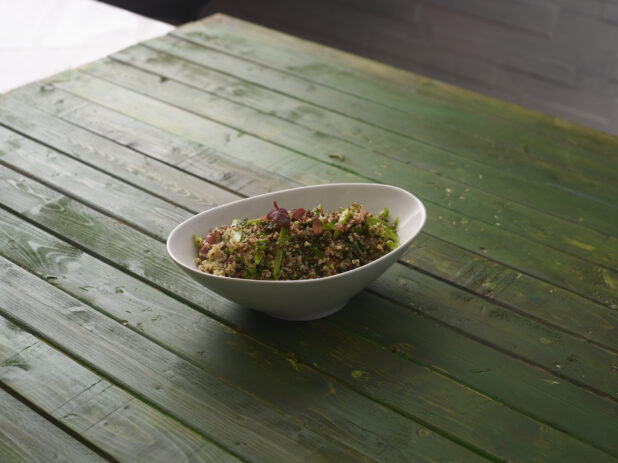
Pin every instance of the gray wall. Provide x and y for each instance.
(557, 56)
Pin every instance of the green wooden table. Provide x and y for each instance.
(493, 339)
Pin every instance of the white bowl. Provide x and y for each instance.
(300, 299)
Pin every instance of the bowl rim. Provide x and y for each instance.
(422, 210)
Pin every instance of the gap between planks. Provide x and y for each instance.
(145, 152)
(55, 422)
(557, 327)
(161, 419)
(343, 445)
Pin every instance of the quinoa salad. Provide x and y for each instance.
(297, 244)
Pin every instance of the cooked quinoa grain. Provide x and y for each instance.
(296, 244)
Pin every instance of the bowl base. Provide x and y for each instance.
(304, 317)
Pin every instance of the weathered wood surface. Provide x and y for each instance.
(391, 87)
(27, 436)
(143, 323)
(93, 407)
(563, 269)
(595, 362)
(494, 337)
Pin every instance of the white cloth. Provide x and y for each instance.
(39, 38)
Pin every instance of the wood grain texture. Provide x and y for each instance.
(429, 186)
(565, 355)
(312, 351)
(99, 411)
(27, 436)
(375, 431)
(455, 159)
(412, 125)
(157, 260)
(177, 187)
(14, 340)
(597, 364)
(68, 175)
(561, 269)
(517, 291)
(379, 128)
(473, 271)
(197, 398)
(225, 139)
(555, 199)
(393, 87)
(192, 159)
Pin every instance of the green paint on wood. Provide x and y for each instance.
(247, 364)
(195, 397)
(213, 124)
(98, 410)
(170, 278)
(404, 91)
(546, 263)
(437, 257)
(501, 327)
(598, 383)
(515, 290)
(429, 186)
(193, 158)
(460, 156)
(27, 436)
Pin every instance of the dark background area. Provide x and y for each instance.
(557, 56)
(169, 11)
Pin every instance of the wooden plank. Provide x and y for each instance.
(514, 290)
(312, 62)
(583, 314)
(413, 127)
(373, 80)
(224, 139)
(555, 392)
(428, 186)
(27, 436)
(499, 376)
(14, 340)
(174, 186)
(560, 269)
(197, 209)
(376, 432)
(66, 174)
(146, 439)
(387, 75)
(200, 400)
(106, 416)
(479, 274)
(352, 354)
(529, 339)
(195, 159)
(455, 155)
